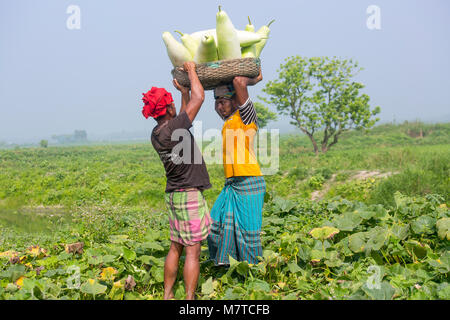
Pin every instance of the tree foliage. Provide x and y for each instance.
(43, 143)
(77, 136)
(319, 94)
(264, 114)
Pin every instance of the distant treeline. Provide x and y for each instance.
(77, 136)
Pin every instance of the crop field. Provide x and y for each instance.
(369, 219)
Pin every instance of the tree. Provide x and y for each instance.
(264, 114)
(319, 94)
(80, 135)
(63, 138)
(77, 136)
(43, 143)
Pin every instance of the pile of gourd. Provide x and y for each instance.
(222, 43)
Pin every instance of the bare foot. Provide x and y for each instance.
(170, 296)
(190, 297)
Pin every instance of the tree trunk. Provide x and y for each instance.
(311, 137)
(316, 148)
(335, 140)
(325, 140)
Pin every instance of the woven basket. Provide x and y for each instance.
(213, 74)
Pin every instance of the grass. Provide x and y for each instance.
(110, 197)
(132, 174)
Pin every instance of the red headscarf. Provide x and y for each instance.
(155, 102)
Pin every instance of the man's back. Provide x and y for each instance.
(183, 162)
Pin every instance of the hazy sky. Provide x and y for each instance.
(54, 80)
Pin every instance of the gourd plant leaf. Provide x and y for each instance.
(380, 211)
(158, 274)
(400, 231)
(317, 255)
(294, 268)
(304, 252)
(242, 268)
(259, 285)
(347, 221)
(444, 293)
(91, 286)
(400, 200)
(420, 250)
(153, 246)
(282, 205)
(128, 254)
(365, 213)
(376, 238)
(14, 272)
(383, 292)
(259, 295)
(332, 259)
(152, 235)
(207, 286)
(357, 242)
(94, 260)
(423, 225)
(442, 264)
(108, 258)
(323, 233)
(443, 228)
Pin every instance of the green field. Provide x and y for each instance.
(386, 190)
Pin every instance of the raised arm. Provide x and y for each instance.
(185, 96)
(240, 85)
(197, 91)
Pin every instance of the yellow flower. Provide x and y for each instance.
(19, 281)
(108, 274)
(9, 254)
(36, 251)
(281, 284)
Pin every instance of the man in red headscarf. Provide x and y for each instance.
(187, 177)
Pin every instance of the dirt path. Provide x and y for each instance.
(360, 175)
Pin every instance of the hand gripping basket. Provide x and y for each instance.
(213, 74)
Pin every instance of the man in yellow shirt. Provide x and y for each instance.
(237, 213)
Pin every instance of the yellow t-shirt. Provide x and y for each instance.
(239, 157)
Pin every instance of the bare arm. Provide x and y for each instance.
(197, 91)
(185, 96)
(240, 85)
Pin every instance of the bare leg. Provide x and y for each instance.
(171, 269)
(191, 270)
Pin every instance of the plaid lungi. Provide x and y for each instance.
(237, 220)
(189, 218)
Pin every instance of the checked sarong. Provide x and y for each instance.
(237, 219)
(189, 217)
